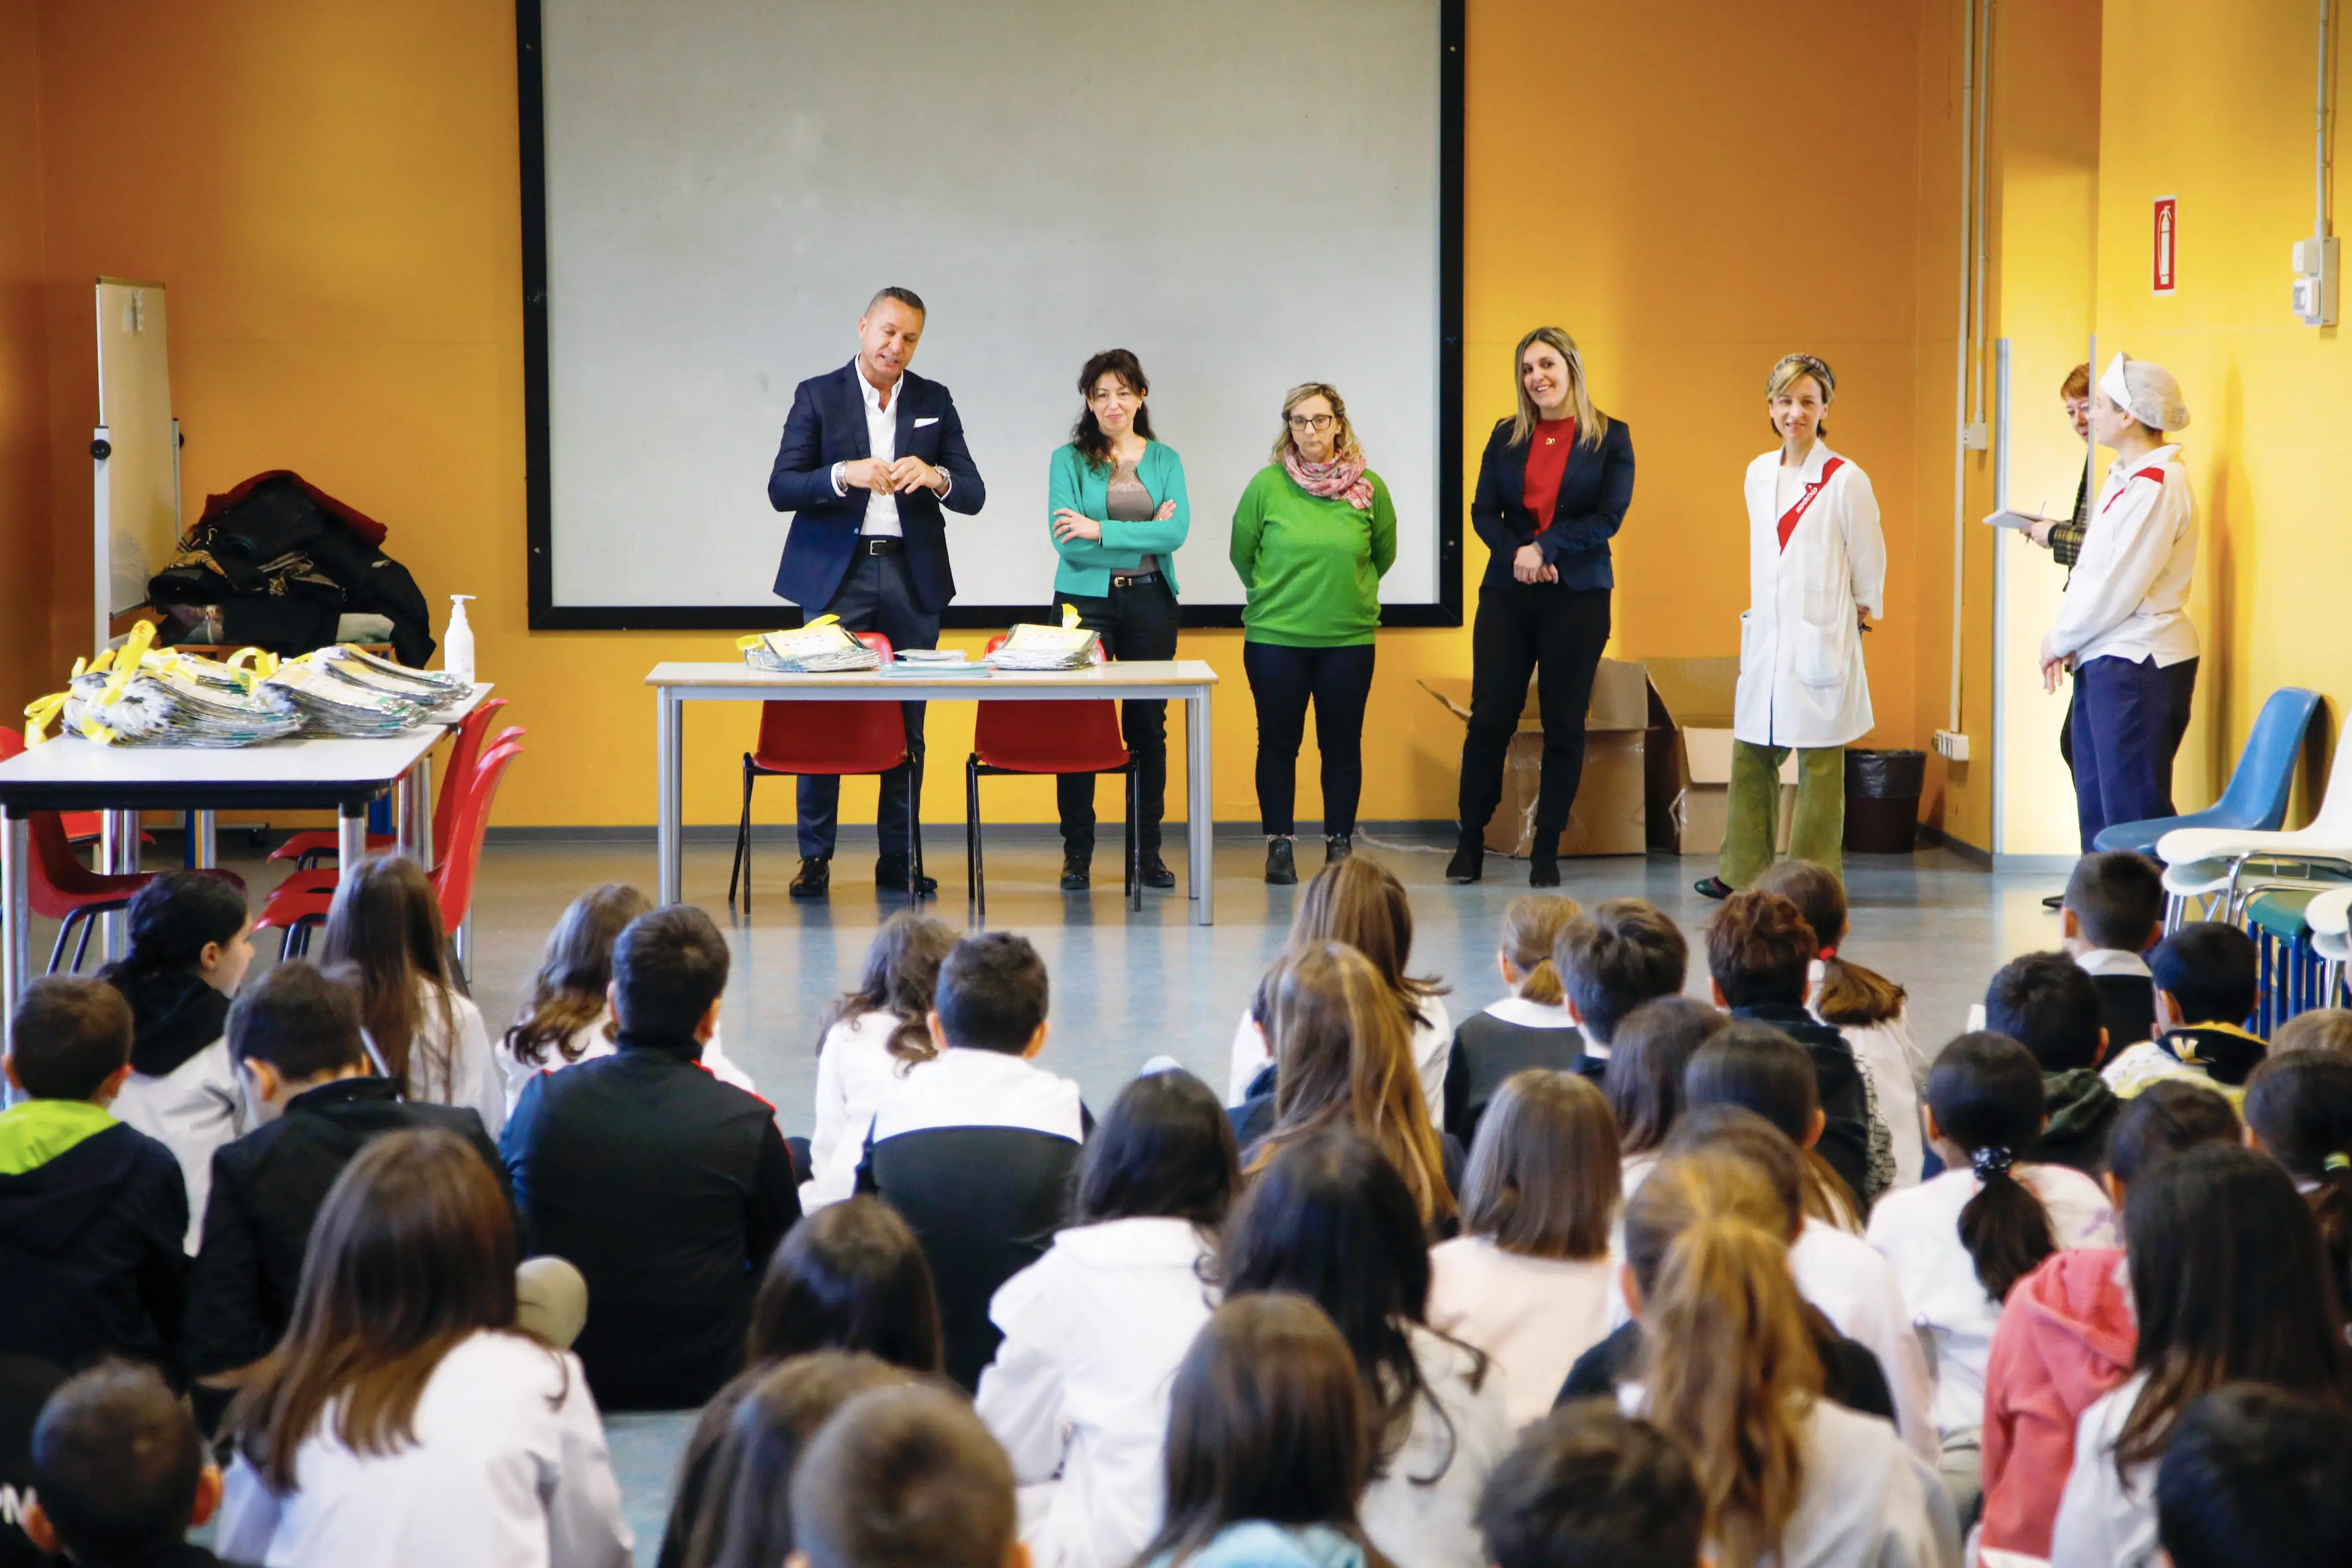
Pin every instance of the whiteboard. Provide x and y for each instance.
(1210, 185)
(137, 499)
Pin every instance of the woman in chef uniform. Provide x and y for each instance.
(1816, 575)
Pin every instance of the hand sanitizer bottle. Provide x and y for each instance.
(457, 642)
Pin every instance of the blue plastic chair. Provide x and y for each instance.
(2259, 785)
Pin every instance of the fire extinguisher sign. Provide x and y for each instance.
(2166, 243)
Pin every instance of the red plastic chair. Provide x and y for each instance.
(295, 911)
(305, 849)
(1044, 738)
(839, 739)
(62, 887)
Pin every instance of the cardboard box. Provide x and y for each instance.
(1689, 777)
(1610, 815)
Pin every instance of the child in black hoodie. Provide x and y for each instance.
(2048, 1005)
(92, 1213)
(190, 945)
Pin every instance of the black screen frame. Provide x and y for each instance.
(537, 442)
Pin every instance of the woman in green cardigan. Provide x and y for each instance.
(1313, 536)
(1116, 501)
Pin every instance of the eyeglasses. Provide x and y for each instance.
(1319, 423)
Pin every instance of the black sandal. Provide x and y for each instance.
(1714, 887)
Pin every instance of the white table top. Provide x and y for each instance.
(1119, 679)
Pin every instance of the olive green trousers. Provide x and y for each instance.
(1754, 809)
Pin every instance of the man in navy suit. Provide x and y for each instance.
(871, 454)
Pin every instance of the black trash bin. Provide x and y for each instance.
(1881, 800)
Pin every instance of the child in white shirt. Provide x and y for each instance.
(875, 1033)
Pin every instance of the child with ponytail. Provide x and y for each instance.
(2299, 1110)
(191, 942)
(1730, 1369)
(1957, 1243)
(1531, 1027)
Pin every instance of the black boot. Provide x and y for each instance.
(1543, 861)
(1077, 870)
(1281, 868)
(1338, 846)
(815, 877)
(1469, 862)
(1155, 870)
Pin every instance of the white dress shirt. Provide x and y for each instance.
(882, 446)
(2127, 596)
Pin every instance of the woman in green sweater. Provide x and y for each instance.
(1115, 500)
(1313, 536)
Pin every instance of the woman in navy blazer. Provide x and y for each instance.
(1553, 486)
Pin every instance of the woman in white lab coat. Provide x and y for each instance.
(1094, 1331)
(1817, 576)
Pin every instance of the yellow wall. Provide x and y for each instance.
(330, 189)
(2214, 105)
(23, 360)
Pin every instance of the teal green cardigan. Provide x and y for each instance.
(1088, 564)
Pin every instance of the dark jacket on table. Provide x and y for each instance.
(2082, 1110)
(2126, 1009)
(1851, 1374)
(93, 1241)
(267, 1187)
(668, 1190)
(827, 425)
(1486, 1050)
(25, 1385)
(1845, 1139)
(1594, 492)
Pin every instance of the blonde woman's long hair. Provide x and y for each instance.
(1342, 1060)
(1728, 1365)
(1590, 423)
(1343, 436)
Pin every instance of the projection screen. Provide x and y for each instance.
(1248, 193)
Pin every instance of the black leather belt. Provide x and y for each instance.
(1133, 579)
(880, 544)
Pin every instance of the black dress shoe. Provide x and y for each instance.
(1155, 871)
(1077, 872)
(1338, 846)
(891, 876)
(815, 879)
(1543, 867)
(1281, 868)
(1713, 887)
(1469, 862)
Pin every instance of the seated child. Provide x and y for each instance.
(1652, 1050)
(25, 1385)
(2256, 1477)
(190, 945)
(567, 1017)
(2298, 1110)
(1760, 959)
(93, 1213)
(1610, 960)
(2113, 913)
(2314, 1028)
(978, 1150)
(2206, 977)
(2048, 1004)
(1531, 1027)
(905, 1475)
(872, 1034)
(317, 1102)
(1589, 1488)
(1865, 1006)
(119, 1473)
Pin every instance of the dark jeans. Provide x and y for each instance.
(1135, 622)
(2180, 695)
(1524, 628)
(1281, 680)
(2121, 711)
(877, 596)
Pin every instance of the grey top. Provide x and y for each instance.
(1129, 501)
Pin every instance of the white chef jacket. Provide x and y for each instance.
(1802, 681)
(2127, 598)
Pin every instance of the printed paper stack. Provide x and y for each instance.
(1034, 646)
(822, 647)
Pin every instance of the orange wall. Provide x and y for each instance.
(23, 362)
(330, 190)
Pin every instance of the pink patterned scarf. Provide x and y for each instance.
(1341, 477)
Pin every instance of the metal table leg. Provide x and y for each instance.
(668, 784)
(414, 801)
(351, 834)
(1201, 817)
(118, 856)
(204, 827)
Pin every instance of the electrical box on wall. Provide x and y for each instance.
(2315, 283)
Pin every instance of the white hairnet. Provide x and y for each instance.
(2145, 392)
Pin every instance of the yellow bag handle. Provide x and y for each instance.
(42, 711)
(751, 640)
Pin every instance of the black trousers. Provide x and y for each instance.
(1282, 680)
(1524, 628)
(877, 595)
(2180, 687)
(1135, 622)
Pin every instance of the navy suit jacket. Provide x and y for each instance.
(1594, 492)
(827, 425)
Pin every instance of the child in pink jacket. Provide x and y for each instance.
(2067, 1337)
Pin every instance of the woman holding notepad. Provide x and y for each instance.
(1115, 501)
